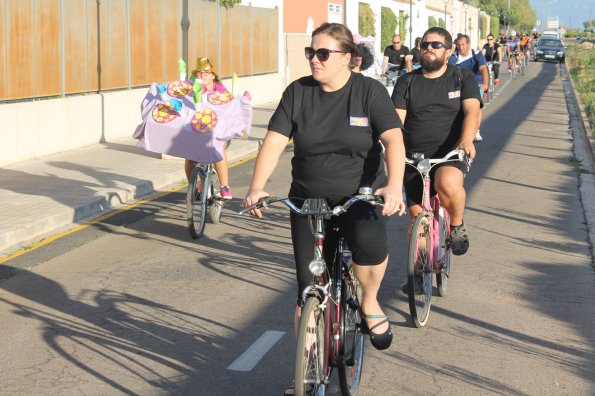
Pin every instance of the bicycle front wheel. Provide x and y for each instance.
(443, 253)
(351, 363)
(310, 355)
(420, 271)
(196, 202)
(215, 204)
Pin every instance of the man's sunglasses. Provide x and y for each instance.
(433, 44)
(321, 53)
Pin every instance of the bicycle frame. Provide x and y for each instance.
(431, 205)
(326, 289)
(431, 208)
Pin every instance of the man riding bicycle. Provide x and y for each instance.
(437, 123)
(513, 43)
(525, 45)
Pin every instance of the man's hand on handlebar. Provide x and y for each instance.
(393, 200)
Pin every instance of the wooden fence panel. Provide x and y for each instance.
(138, 15)
(3, 44)
(117, 44)
(172, 45)
(47, 37)
(202, 36)
(20, 48)
(265, 33)
(116, 62)
(76, 27)
(155, 41)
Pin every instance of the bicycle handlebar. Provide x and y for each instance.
(460, 155)
(374, 200)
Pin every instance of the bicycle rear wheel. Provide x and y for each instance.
(215, 204)
(309, 373)
(196, 201)
(420, 271)
(443, 253)
(351, 362)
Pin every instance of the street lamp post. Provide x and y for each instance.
(465, 6)
(445, 5)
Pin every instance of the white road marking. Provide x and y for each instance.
(256, 351)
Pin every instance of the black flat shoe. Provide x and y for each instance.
(379, 341)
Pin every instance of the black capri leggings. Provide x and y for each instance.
(364, 230)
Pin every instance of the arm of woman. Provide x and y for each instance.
(272, 147)
(394, 155)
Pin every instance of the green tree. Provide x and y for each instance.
(441, 23)
(229, 3)
(432, 22)
(388, 26)
(495, 26)
(366, 20)
(403, 17)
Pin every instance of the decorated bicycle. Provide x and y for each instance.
(181, 120)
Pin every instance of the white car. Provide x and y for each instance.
(551, 33)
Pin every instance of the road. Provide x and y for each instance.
(133, 306)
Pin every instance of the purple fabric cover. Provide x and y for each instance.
(177, 137)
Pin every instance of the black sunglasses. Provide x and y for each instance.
(321, 53)
(433, 44)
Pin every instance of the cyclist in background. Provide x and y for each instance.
(393, 61)
(502, 41)
(412, 60)
(513, 50)
(525, 45)
(465, 57)
(493, 53)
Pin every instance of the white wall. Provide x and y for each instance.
(41, 127)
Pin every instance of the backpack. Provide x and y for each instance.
(474, 61)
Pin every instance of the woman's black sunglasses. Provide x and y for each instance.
(433, 44)
(321, 53)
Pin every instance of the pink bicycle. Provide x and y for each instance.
(429, 250)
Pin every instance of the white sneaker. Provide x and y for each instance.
(478, 137)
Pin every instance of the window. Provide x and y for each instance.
(335, 12)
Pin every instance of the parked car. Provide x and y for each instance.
(550, 49)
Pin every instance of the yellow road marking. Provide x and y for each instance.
(80, 227)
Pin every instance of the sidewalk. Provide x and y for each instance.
(41, 197)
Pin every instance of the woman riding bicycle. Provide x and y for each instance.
(337, 120)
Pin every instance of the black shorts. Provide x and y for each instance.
(364, 230)
(413, 181)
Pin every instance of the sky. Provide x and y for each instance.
(571, 12)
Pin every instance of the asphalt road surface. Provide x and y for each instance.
(133, 305)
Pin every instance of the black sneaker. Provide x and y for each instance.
(459, 241)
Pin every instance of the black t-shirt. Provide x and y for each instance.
(335, 135)
(434, 112)
(491, 53)
(416, 52)
(396, 57)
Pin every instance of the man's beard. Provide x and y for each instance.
(429, 64)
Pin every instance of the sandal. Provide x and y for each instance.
(379, 341)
